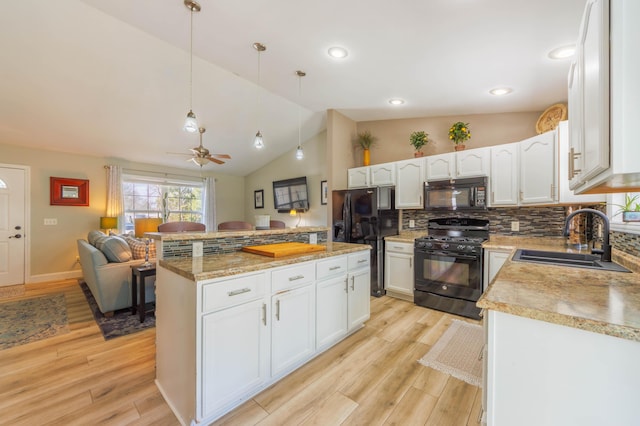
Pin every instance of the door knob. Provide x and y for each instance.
(15, 236)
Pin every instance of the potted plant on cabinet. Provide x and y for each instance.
(630, 209)
(365, 140)
(418, 140)
(458, 133)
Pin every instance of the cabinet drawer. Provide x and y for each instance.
(292, 276)
(332, 267)
(399, 247)
(359, 260)
(223, 294)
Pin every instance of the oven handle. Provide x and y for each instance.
(443, 253)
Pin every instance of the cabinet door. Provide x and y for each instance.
(409, 184)
(441, 166)
(473, 162)
(292, 328)
(493, 261)
(358, 177)
(575, 144)
(359, 297)
(537, 169)
(383, 174)
(504, 175)
(398, 272)
(331, 303)
(235, 353)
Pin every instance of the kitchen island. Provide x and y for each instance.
(563, 343)
(229, 325)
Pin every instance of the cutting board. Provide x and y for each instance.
(284, 249)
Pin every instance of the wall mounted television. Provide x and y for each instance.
(291, 194)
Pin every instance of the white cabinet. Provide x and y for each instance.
(504, 175)
(359, 290)
(331, 296)
(604, 93)
(410, 184)
(538, 169)
(494, 259)
(473, 162)
(358, 177)
(383, 174)
(398, 269)
(441, 166)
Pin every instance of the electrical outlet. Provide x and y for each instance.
(198, 248)
(515, 226)
(412, 223)
(313, 238)
(50, 221)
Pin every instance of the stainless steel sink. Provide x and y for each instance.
(576, 260)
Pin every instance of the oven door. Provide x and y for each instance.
(449, 274)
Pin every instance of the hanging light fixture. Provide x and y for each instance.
(299, 152)
(190, 123)
(257, 141)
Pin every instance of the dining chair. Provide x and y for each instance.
(234, 225)
(181, 227)
(276, 224)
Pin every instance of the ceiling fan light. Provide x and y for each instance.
(200, 161)
(190, 123)
(257, 141)
(299, 153)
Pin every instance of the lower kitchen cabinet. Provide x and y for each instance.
(331, 299)
(493, 261)
(398, 270)
(358, 297)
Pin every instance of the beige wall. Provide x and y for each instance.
(53, 248)
(313, 166)
(340, 153)
(486, 130)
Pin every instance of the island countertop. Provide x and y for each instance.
(588, 299)
(180, 236)
(222, 265)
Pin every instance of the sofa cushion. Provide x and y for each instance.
(115, 249)
(138, 248)
(94, 235)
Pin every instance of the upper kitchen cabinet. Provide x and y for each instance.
(358, 177)
(383, 174)
(460, 164)
(441, 166)
(504, 175)
(538, 169)
(410, 184)
(604, 99)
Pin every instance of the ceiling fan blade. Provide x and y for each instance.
(215, 160)
(227, 156)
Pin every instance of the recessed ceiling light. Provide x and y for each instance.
(563, 52)
(338, 52)
(500, 91)
(396, 101)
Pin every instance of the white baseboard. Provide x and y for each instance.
(56, 276)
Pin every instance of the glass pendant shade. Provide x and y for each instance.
(190, 123)
(299, 153)
(258, 142)
(200, 161)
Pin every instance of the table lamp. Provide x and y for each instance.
(108, 223)
(142, 225)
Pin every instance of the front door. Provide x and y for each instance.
(12, 223)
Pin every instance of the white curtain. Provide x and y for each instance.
(115, 198)
(210, 204)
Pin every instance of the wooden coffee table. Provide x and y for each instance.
(137, 303)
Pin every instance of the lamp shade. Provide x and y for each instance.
(108, 222)
(149, 224)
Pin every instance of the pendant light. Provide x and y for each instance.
(257, 141)
(299, 152)
(190, 123)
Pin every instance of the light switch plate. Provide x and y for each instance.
(50, 221)
(515, 226)
(412, 223)
(197, 248)
(313, 238)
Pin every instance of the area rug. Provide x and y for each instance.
(28, 320)
(457, 352)
(122, 322)
(11, 291)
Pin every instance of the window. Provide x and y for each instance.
(170, 200)
(615, 203)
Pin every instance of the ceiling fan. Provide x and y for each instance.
(201, 156)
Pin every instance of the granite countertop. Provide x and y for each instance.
(407, 236)
(588, 299)
(180, 236)
(222, 265)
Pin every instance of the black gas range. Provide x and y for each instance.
(448, 265)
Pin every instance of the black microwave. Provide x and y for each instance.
(456, 194)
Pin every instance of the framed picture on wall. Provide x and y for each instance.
(68, 192)
(324, 189)
(258, 199)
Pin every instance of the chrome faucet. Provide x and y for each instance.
(606, 247)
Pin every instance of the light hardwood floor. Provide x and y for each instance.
(371, 378)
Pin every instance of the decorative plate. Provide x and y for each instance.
(551, 117)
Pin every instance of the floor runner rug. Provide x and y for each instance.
(28, 320)
(457, 352)
(122, 322)
(11, 291)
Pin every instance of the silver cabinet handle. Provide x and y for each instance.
(278, 309)
(353, 283)
(295, 278)
(346, 285)
(521, 195)
(411, 262)
(333, 268)
(553, 197)
(264, 313)
(493, 197)
(237, 292)
(362, 261)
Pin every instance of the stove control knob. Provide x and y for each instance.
(462, 247)
(444, 287)
(445, 246)
(428, 245)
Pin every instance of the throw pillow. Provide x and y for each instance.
(115, 249)
(94, 235)
(138, 248)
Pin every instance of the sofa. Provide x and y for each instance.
(108, 275)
